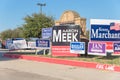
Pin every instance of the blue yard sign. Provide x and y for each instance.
(43, 44)
(46, 33)
(77, 47)
(117, 47)
(105, 30)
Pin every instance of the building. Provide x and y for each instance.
(72, 17)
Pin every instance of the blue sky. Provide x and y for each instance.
(12, 12)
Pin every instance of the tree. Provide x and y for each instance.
(34, 24)
(6, 34)
(16, 33)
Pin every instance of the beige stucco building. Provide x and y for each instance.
(72, 17)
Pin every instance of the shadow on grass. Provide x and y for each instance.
(109, 58)
(101, 57)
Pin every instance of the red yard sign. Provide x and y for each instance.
(109, 46)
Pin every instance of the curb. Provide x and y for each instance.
(66, 62)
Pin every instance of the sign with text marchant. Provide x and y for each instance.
(61, 38)
(105, 30)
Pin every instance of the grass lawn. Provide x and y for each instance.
(114, 60)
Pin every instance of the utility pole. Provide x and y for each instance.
(41, 5)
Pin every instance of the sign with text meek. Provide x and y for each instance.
(97, 48)
(105, 30)
(61, 38)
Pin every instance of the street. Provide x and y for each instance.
(9, 74)
(18, 69)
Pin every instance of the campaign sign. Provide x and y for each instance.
(105, 30)
(8, 43)
(46, 33)
(117, 48)
(77, 47)
(95, 48)
(43, 43)
(109, 46)
(62, 36)
(19, 44)
(31, 44)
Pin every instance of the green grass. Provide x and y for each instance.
(114, 60)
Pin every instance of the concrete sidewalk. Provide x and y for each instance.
(58, 71)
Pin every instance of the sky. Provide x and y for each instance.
(12, 12)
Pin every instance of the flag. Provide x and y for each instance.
(115, 26)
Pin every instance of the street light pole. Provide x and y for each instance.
(41, 5)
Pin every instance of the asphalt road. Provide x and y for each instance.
(12, 74)
(9, 74)
(17, 69)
